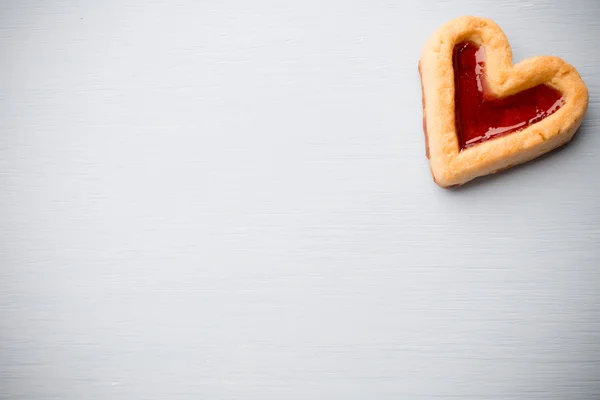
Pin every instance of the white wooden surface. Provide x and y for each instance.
(229, 199)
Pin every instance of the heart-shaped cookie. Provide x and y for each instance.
(481, 113)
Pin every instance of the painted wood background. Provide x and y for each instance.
(229, 199)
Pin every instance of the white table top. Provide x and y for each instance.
(229, 199)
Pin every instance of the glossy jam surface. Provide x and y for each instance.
(480, 116)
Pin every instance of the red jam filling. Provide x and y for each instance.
(481, 116)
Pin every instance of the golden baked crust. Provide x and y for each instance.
(449, 165)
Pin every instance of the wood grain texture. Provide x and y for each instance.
(230, 200)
